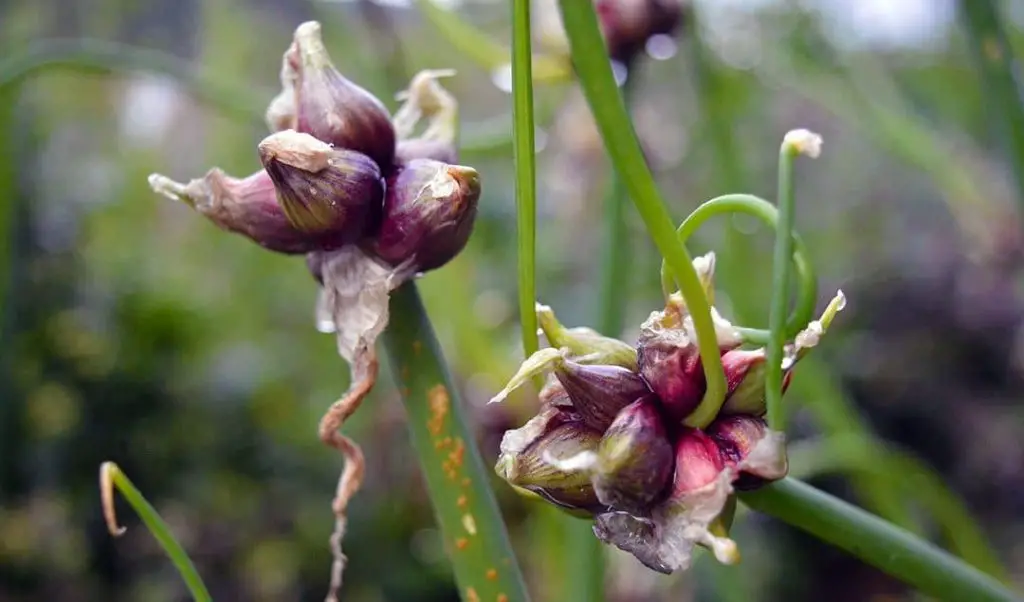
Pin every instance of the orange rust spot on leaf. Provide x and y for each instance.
(417, 346)
(492, 574)
(456, 455)
(404, 373)
(404, 392)
(502, 598)
(462, 502)
(466, 482)
(461, 543)
(471, 595)
(439, 402)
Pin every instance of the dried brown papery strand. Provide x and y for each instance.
(107, 499)
(355, 466)
(354, 297)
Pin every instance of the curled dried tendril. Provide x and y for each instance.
(107, 471)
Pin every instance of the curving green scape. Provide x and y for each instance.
(877, 542)
(904, 474)
(780, 286)
(523, 156)
(589, 56)
(112, 478)
(767, 213)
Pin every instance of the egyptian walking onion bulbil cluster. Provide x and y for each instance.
(370, 199)
(615, 437)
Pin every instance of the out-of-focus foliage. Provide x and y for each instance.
(136, 332)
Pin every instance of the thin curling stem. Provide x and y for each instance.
(590, 57)
(795, 143)
(767, 213)
(523, 157)
(111, 477)
(881, 544)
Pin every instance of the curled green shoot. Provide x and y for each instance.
(767, 213)
(795, 143)
(112, 478)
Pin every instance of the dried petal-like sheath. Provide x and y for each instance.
(747, 445)
(528, 454)
(638, 536)
(690, 516)
(425, 100)
(635, 459)
(246, 206)
(334, 109)
(335, 193)
(429, 210)
(554, 394)
(599, 392)
(315, 265)
(281, 113)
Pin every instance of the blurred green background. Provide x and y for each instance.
(135, 331)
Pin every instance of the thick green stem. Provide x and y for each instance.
(769, 214)
(877, 542)
(904, 474)
(590, 58)
(1001, 71)
(111, 477)
(835, 414)
(780, 287)
(457, 479)
(526, 174)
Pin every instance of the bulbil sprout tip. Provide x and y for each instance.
(804, 142)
